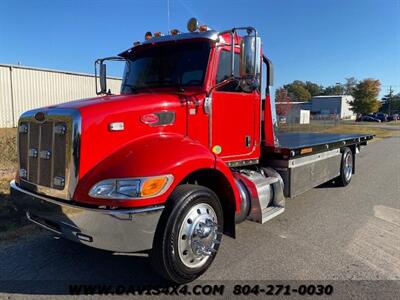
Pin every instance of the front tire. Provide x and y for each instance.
(188, 234)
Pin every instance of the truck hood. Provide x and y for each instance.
(137, 101)
(97, 140)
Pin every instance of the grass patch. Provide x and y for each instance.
(8, 149)
(393, 123)
(12, 223)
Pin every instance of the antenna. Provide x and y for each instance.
(168, 15)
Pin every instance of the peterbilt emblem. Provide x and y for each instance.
(40, 116)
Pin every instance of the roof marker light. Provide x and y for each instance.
(148, 35)
(175, 31)
(203, 28)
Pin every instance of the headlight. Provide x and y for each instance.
(131, 188)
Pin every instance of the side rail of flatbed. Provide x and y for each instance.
(306, 160)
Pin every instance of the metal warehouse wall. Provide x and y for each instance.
(24, 88)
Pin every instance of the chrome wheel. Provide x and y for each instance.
(198, 236)
(348, 166)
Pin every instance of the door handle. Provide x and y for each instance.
(247, 141)
(207, 105)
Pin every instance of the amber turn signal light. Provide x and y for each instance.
(153, 186)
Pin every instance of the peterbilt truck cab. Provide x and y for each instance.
(185, 152)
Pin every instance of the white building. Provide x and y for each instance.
(23, 88)
(333, 105)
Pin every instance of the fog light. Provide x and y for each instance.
(33, 153)
(23, 128)
(22, 173)
(60, 129)
(44, 154)
(59, 181)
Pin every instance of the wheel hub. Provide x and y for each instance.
(198, 235)
(348, 167)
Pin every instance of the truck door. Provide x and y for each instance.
(234, 132)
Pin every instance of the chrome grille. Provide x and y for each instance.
(49, 152)
(45, 154)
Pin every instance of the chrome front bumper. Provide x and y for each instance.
(120, 230)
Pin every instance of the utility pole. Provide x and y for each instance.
(390, 99)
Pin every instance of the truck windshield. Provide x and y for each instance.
(172, 65)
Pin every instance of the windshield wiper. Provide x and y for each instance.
(132, 87)
(163, 84)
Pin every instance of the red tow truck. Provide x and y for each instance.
(183, 154)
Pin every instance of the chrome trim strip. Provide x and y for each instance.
(301, 161)
(240, 163)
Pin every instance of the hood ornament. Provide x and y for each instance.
(40, 116)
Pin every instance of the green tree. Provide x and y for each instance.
(337, 89)
(365, 95)
(390, 103)
(313, 88)
(297, 91)
(349, 86)
(282, 102)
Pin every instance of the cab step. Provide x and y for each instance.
(265, 190)
(271, 212)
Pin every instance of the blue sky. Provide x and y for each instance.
(323, 41)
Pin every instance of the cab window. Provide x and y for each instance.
(224, 71)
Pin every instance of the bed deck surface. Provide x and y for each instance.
(295, 140)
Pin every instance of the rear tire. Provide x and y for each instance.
(188, 234)
(346, 168)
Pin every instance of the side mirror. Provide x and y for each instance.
(250, 62)
(103, 78)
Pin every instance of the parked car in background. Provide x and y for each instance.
(367, 119)
(381, 116)
(394, 117)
